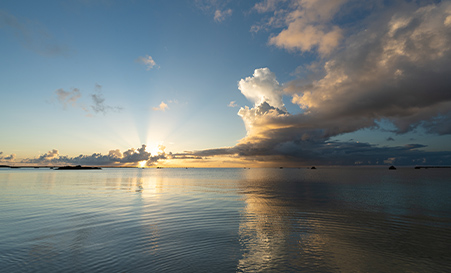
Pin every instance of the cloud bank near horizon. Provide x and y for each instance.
(7, 158)
(130, 157)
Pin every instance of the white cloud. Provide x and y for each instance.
(148, 61)
(217, 8)
(259, 119)
(307, 25)
(232, 104)
(162, 107)
(222, 15)
(303, 37)
(262, 87)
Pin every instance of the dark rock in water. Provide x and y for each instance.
(313, 168)
(392, 168)
(78, 167)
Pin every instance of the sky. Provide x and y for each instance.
(209, 83)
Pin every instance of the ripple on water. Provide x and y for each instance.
(224, 221)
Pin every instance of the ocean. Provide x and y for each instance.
(349, 219)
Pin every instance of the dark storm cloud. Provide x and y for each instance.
(329, 153)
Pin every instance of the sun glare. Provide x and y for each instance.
(153, 148)
(142, 164)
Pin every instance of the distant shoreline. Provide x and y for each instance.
(79, 167)
(431, 167)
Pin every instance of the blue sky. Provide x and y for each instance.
(85, 77)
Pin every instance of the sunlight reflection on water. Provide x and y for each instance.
(225, 220)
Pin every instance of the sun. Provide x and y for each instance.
(154, 148)
(142, 164)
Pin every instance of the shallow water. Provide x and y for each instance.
(225, 220)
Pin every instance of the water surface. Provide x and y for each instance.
(225, 220)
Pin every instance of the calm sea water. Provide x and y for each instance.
(225, 220)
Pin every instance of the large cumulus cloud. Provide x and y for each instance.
(396, 68)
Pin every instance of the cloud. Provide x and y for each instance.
(257, 120)
(68, 97)
(232, 104)
(161, 155)
(162, 107)
(73, 97)
(99, 105)
(267, 5)
(217, 8)
(395, 69)
(49, 155)
(137, 155)
(7, 158)
(129, 157)
(308, 25)
(148, 61)
(299, 152)
(222, 15)
(262, 87)
(32, 35)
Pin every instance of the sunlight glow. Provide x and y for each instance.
(142, 164)
(154, 148)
